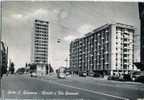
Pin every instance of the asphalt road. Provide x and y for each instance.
(71, 88)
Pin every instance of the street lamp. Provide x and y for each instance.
(66, 60)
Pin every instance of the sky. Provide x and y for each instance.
(68, 21)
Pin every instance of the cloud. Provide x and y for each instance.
(17, 16)
(82, 30)
(52, 15)
(40, 13)
(56, 11)
(69, 38)
(44, 14)
(85, 29)
(63, 14)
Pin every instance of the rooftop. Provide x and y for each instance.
(104, 27)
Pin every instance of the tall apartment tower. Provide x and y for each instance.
(4, 55)
(107, 50)
(39, 54)
(140, 64)
(141, 14)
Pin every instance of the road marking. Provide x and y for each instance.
(91, 91)
(87, 90)
(120, 85)
(117, 85)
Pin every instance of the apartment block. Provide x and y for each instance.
(141, 15)
(140, 64)
(4, 57)
(39, 54)
(108, 49)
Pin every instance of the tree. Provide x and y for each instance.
(32, 68)
(11, 68)
(3, 70)
(49, 69)
(27, 67)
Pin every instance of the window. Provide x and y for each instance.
(125, 55)
(125, 39)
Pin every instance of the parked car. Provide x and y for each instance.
(33, 74)
(126, 77)
(138, 76)
(94, 74)
(97, 75)
(113, 77)
(91, 74)
(120, 77)
(67, 73)
(61, 75)
(19, 73)
(135, 75)
(140, 79)
(83, 74)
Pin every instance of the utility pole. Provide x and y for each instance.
(66, 60)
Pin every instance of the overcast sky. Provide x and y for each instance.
(68, 20)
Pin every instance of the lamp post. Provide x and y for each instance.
(66, 60)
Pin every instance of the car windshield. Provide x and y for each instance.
(136, 73)
(142, 73)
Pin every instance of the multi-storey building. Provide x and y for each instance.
(141, 14)
(40, 46)
(108, 49)
(4, 55)
(140, 64)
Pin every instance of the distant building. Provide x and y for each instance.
(39, 54)
(141, 14)
(4, 53)
(140, 65)
(108, 49)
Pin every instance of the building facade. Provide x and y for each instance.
(107, 50)
(140, 64)
(39, 54)
(4, 55)
(141, 14)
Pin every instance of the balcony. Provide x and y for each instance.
(106, 52)
(126, 58)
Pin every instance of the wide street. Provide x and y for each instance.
(19, 87)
